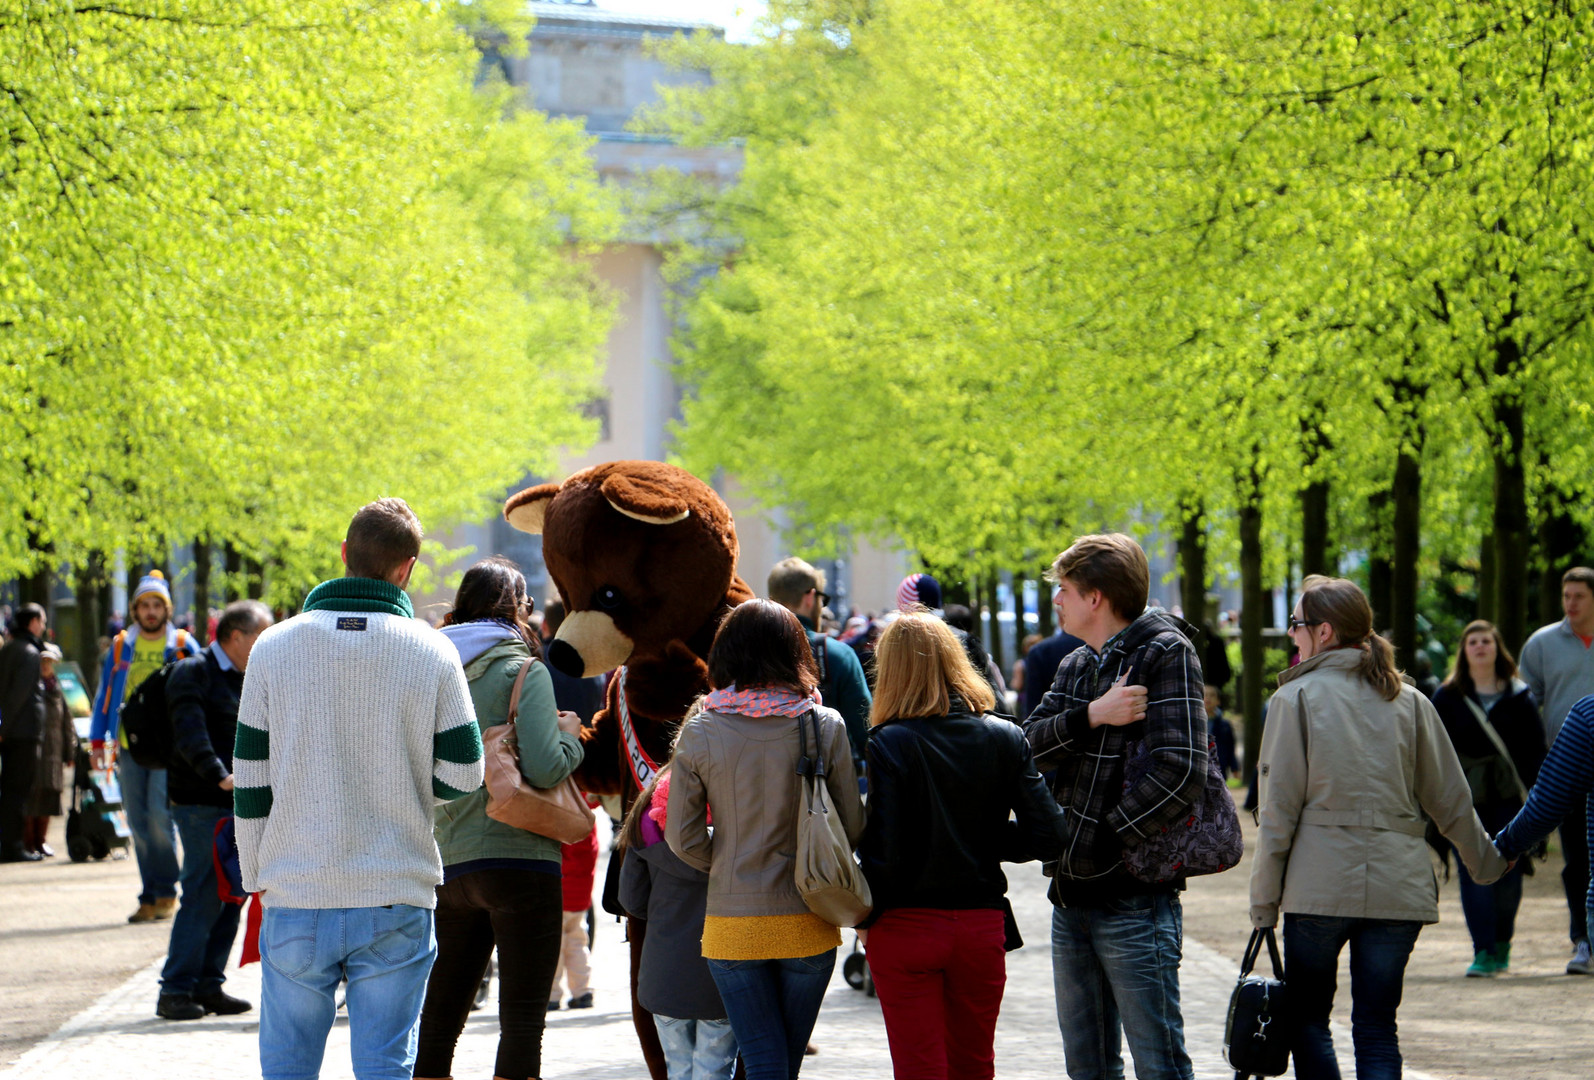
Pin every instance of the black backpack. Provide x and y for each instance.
(145, 723)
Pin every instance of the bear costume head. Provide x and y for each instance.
(644, 557)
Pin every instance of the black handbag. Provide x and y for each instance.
(1260, 1027)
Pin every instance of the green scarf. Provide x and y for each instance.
(359, 594)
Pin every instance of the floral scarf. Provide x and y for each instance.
(761, 701)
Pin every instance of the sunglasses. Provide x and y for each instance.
(1301, 624)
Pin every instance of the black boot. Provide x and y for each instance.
(179, 1007)
(221, 1003)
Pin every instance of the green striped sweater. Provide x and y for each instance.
(355, 721)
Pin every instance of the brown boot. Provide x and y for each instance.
(165, 907)
(145, 913)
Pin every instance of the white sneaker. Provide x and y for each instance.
(1582, 962)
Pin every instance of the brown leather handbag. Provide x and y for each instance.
(560, 813)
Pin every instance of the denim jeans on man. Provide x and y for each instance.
(1116, 968)
(203, 931)
(386, 953)
(1379, 949)
(772, 1006)
(150, 822)
(697, 1049)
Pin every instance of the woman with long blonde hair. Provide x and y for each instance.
(945, 779)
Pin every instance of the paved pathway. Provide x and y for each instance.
(119, 1032)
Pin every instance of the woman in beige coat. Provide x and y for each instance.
(1354, 762)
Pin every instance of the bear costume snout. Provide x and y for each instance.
(589, 643)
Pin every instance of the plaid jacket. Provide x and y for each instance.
(1101, 817)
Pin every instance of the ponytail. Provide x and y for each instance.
(1378, 666)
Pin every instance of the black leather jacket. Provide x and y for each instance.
(941, 792)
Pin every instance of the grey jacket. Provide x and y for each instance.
(673, 979)
(1559, 670)
(745, 767)
(1348, 783)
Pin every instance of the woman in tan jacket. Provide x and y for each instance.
(737, 762)
(1354, 761)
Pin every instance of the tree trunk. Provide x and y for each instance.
(1316, 551)
(232, 562)
(86, 583)
(1253, 613)
(1193, 562)
(201, 590)
(1407, 543)
(1510, 521)
(1380, 571)
(1486, 578)
(993, 604)
(1561, 541)
(256, 587)
(1043, 607)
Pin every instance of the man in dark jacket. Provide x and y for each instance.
(799, 587)
(202, 700)
(1134, 691)
(21, 727)
(1041, 664)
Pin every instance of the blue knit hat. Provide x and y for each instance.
(152, 582)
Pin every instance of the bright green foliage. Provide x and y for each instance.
(1019, 270)
(263, 261)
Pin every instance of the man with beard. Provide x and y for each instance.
(135, 655)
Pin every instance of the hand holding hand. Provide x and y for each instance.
(1120, 705)
(226, 785)
(570, 723)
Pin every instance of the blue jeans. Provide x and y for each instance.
(772, 1006)
(1379, 949)
(1116, 968)
(203, 931)
(150, 821)
(697, 1049)
(385, 953)
(1491, 910)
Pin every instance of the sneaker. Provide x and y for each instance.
(583, 1001)
(1582, 962)
(553, 1006)
(1482, 966)
(1502, 956)
(179, 1007)
(145, 913)
(221, 1003)
(165, 907)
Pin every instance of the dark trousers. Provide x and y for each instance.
(772, 1006)
(519, 912)
(940, 976)
(1379, 949)
(1491, 910)
(1574, 875)
(205, 926)
(19, 760)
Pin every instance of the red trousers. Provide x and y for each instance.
(940, 976)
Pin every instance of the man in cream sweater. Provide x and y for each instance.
(355, 721)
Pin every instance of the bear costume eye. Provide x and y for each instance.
(607, 599)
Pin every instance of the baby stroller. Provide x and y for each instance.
(96, 826)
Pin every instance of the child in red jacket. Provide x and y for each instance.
(580, 868)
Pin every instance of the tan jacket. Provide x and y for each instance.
(745, 768)
(1348, 781)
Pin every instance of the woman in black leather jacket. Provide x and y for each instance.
(944, 782)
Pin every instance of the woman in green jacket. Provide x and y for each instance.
(501, 885)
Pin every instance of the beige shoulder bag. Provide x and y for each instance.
(560, 813)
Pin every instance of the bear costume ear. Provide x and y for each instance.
(525, 510)
(645, 499)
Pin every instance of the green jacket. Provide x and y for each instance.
(547, 755)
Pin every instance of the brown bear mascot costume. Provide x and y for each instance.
(644, 557)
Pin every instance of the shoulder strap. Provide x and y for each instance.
(514, 691)
(1499, 743)
(118, 662)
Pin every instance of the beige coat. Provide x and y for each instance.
(745, 769)
(1348, 781)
